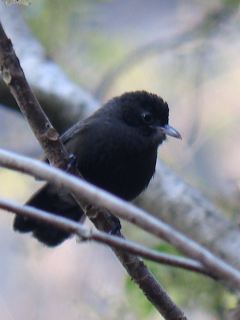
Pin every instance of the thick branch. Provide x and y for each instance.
(187, 210)
(55, 152)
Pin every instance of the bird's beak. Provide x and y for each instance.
(170, 131)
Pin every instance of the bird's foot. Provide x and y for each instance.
(72, 163)
(116, 226)
(104, 220)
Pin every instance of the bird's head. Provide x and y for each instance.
(148, 113)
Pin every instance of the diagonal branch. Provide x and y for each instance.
(53, 88)
(104, 238)
(124, 210)
(55, 152)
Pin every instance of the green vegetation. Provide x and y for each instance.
(187, 289)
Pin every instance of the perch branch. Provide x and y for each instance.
(104, 238)
(124, 210)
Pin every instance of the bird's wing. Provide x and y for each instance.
(72, 133)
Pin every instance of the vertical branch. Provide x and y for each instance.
(14, 77)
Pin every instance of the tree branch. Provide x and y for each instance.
(55, 152)
(104, 238)
(124, 210)
(53, 88)
(187, 210)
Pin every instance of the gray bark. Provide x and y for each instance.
(186, 209)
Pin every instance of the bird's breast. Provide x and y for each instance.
(120, 170)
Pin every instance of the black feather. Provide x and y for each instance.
(115, 148)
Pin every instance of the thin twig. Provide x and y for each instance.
(55, 152)
(102, 237)
(124, 210)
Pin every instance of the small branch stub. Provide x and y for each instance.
(6, 76)
(52, 134)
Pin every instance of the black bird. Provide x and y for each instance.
(115, 149)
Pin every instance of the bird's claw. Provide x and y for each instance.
(72, 162)
(116, 226)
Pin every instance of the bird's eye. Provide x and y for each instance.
(147, 118)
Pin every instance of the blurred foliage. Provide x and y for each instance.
(74, 27)
(40, 15)
(231, 2)
(187, 289)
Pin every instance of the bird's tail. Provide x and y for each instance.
(52, 200)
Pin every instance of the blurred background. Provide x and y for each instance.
(187, 52)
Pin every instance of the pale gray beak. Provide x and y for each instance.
(170, 131)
